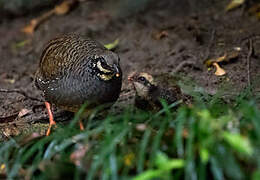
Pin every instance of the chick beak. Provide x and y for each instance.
(117, 71)
(130, 79)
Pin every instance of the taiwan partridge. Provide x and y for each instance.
(74, 70)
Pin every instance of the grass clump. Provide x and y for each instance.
(211, 139)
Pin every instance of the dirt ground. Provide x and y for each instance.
(169, 37)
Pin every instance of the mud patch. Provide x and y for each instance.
(192, 33)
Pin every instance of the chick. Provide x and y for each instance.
(149, 93)
(74, 70)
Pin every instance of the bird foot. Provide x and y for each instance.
(81, 126)
(49, 128)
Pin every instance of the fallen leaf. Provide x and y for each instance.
(214, 60)
(225, 58)
(34, 23)
(219, 70)
(29, 29)
(112, 45)
(63, 8)
(24, 112)
(234, 4)
(232, 55)
(60, 9)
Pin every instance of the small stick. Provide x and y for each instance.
(182, 64)
(19, 92)
(248, 61)
(212, 38)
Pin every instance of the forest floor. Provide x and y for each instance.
(174, 39)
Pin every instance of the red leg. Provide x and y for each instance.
(81, 126)
(52, 122)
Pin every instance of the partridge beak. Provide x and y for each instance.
(117, 71)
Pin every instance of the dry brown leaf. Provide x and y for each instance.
(30, 28)
(24, 112)
(210, 62)
(225, 58)
(219, 70)
(62, 8)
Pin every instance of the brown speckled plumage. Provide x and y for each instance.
(74, 70)
(149, 93)
(67, 75)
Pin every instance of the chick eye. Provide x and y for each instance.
(141, 79)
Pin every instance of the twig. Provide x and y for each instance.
(182, 64)
(248, 61)
(19, 92)
(213, 34)
(252, 36)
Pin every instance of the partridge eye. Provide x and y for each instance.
(141, 79)
(102, 62)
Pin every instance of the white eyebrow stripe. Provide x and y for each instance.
(101, 68)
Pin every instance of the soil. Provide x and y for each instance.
(169, 37)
